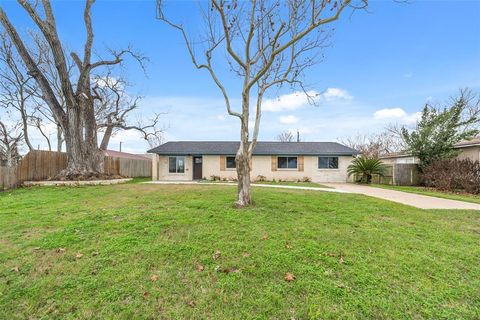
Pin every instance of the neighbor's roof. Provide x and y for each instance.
(125, 155)
(395, 155)
(262, 148)
(468, 143)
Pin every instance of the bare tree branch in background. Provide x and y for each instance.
(10, 139)
(16, 86)
(285, 136)
(113, 107)
(374, 145)
(267, 45)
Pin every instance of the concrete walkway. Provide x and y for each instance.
(411, 199)
(279, 186)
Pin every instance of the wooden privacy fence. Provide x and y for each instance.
(43, 165)
(8, 178)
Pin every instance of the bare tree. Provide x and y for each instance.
(16, 86)
(374, 145)
(115, 105)
(77, 118)
(267, 44)
(10, 139)
(285, 136)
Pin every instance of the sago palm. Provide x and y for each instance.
(366, 167)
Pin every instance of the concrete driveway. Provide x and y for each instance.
(411, 199)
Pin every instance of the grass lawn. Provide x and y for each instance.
(283, 183)
(432, 192)
(138, 251)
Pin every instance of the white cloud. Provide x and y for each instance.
(336, 94)
(290, 119)
(288, 102)
(408, 75)
(396, 114)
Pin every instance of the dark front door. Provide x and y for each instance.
(197, 168)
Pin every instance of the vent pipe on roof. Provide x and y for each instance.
(298, 136)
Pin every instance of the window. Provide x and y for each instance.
(287, 162)
(176, 164)
(328, 162)
(230, 162)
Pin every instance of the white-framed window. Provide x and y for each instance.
(176, 164)
(327, 162)
(287, 162)
(230, 162)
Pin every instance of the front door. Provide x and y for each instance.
(197, 168)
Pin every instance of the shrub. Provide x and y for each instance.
(261, 178)
(453, 175)
(306, 179)
(215, 178)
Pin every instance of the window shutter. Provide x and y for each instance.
(222, 163)
(300, 163)
(274, 163)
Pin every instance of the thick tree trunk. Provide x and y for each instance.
(84, 157)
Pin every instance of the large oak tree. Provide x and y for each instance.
(76, 113)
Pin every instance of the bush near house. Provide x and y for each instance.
(453, 175)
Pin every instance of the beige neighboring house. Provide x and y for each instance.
(468, 150)
(289, 161)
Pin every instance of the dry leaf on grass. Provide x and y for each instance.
(245, 254)
(15, 269)
(79, 255)
(287, 245)
(146, 294)
(341, 260)
(191, 304)
(200, 268)
(153, 277)
(230, 270)
(216, 255)
(265, 237)
(289, 277)
(60, 250)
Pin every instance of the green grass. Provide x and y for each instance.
(354, 257)
(280, 183)
(432, 192)
(293, 183)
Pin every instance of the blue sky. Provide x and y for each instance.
(382, 67)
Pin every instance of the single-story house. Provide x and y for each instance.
(289, 161)
(469, 149)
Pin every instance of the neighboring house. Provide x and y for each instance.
(398, 157)
(468, 150)
(192, 160)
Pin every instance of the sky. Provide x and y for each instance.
(383, 65)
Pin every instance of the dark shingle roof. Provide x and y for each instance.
(262, 148)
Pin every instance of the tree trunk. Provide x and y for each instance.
(242, 160)
(106, 137)
(59, 138)
(25, 129)
(84, 157)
